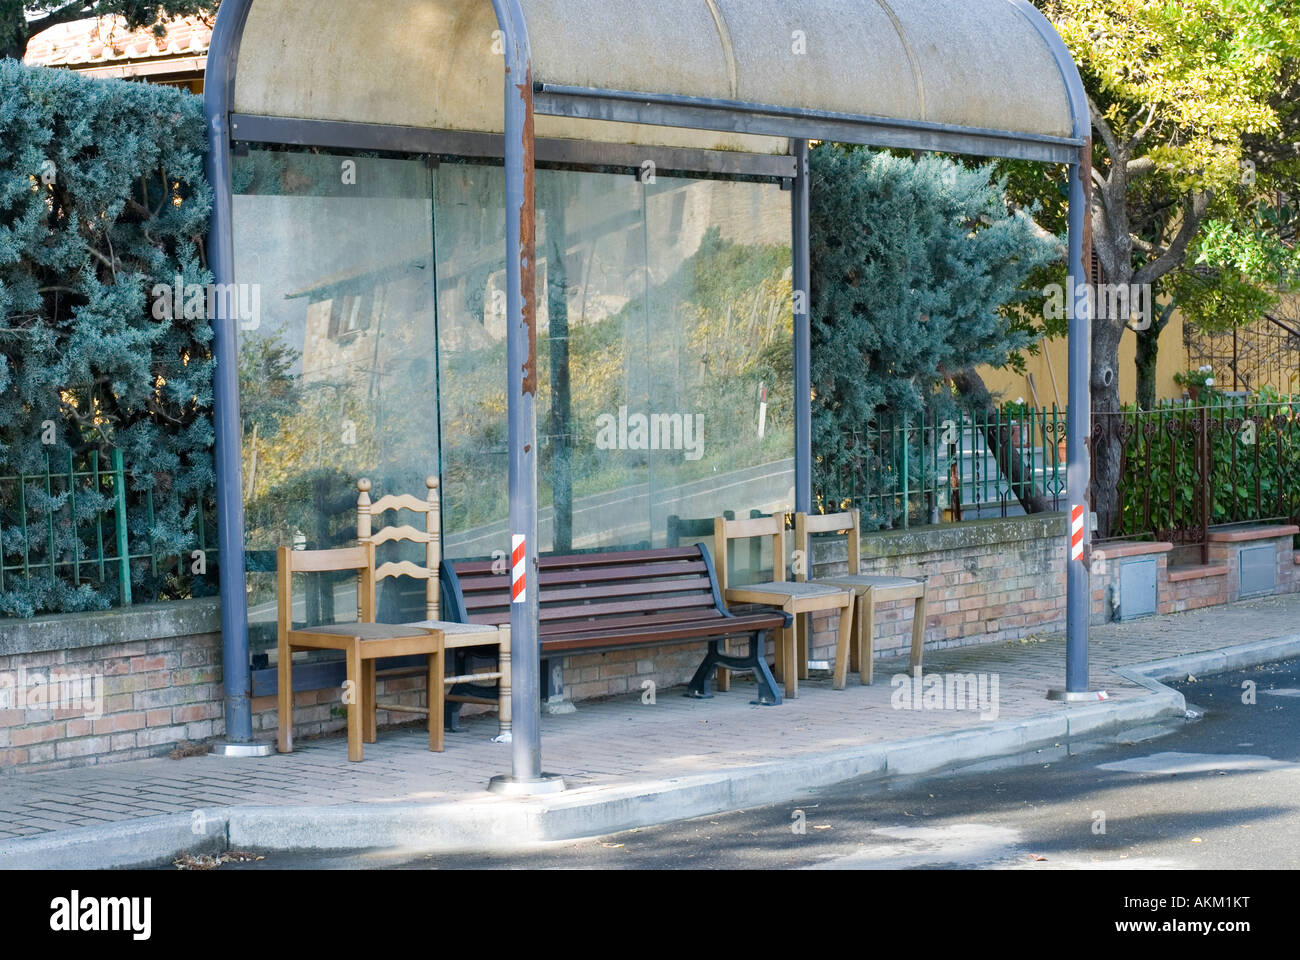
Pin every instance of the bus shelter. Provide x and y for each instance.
(485, 237)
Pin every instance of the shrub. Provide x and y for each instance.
(102, 197)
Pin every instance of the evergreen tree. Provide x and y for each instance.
(102, 203)
(914, 264)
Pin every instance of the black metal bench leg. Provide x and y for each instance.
(701, 685)
(768, 694)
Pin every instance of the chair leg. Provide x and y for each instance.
(503, 690)
(842, 645)
(918, 631)
(284, 734)
(356, 703)
(789, 668)
(802, 625)
(855, 642)
(723, 681)
(867, 640)
(435, 697)
(370, 706)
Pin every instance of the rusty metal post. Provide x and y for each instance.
(526, 775)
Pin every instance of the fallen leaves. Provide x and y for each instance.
(187, 861)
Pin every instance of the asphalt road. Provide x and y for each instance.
(1218, 792)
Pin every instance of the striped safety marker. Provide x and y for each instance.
(1076, 532)
(517, 560)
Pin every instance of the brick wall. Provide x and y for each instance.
(78, 689)
(988, 580)
(81, 689)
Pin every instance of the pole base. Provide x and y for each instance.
(237, 750)
(508, 786)
(1077, 696)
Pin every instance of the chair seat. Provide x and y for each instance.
(461, 634)
(788, 588)
(874, 581)
(366, 631)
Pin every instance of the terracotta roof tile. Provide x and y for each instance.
(106, 40)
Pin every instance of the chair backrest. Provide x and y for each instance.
(360, 559)
(806, 524)
(430, 536)
(725, 530)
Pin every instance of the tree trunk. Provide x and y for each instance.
(1148, 352)
(972, 388)
(1105, 440)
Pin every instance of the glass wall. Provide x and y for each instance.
(664, 339)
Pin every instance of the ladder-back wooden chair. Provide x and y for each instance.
(793, 597)
(459, 638)
(871, 589)
(362, 644)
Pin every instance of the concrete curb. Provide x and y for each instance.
(491, 822)
(149, 842)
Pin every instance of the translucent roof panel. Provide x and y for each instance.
(982, 64)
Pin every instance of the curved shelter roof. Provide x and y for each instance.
(915, 65)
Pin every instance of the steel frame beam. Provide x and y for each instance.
(346, 135)
(219, 93)
(758, 119)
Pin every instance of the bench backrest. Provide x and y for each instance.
(618, 589)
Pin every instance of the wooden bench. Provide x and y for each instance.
(600, 602)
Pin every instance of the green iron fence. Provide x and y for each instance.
(83, 525)
(938, 468)
(1188, 469)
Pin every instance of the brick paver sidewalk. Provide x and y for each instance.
(622, 740)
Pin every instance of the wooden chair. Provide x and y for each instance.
(458, 637)
(794, 598)
(362, 643)
(870, 589)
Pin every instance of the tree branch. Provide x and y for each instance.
(1193, 213)
(1143, 130)
(1107, 135)
(1139, 166)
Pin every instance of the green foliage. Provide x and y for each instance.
(917, 271)
(102, 197)
(1254, 465)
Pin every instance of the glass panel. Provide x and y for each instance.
(338, 372)
(664, 348)
(719, 353)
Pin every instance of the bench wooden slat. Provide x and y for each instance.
(640, 605)
(501, 581)
(481, 601)
(467, 568)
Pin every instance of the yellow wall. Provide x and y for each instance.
(1011, 385)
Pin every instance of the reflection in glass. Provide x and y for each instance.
(665, 363)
